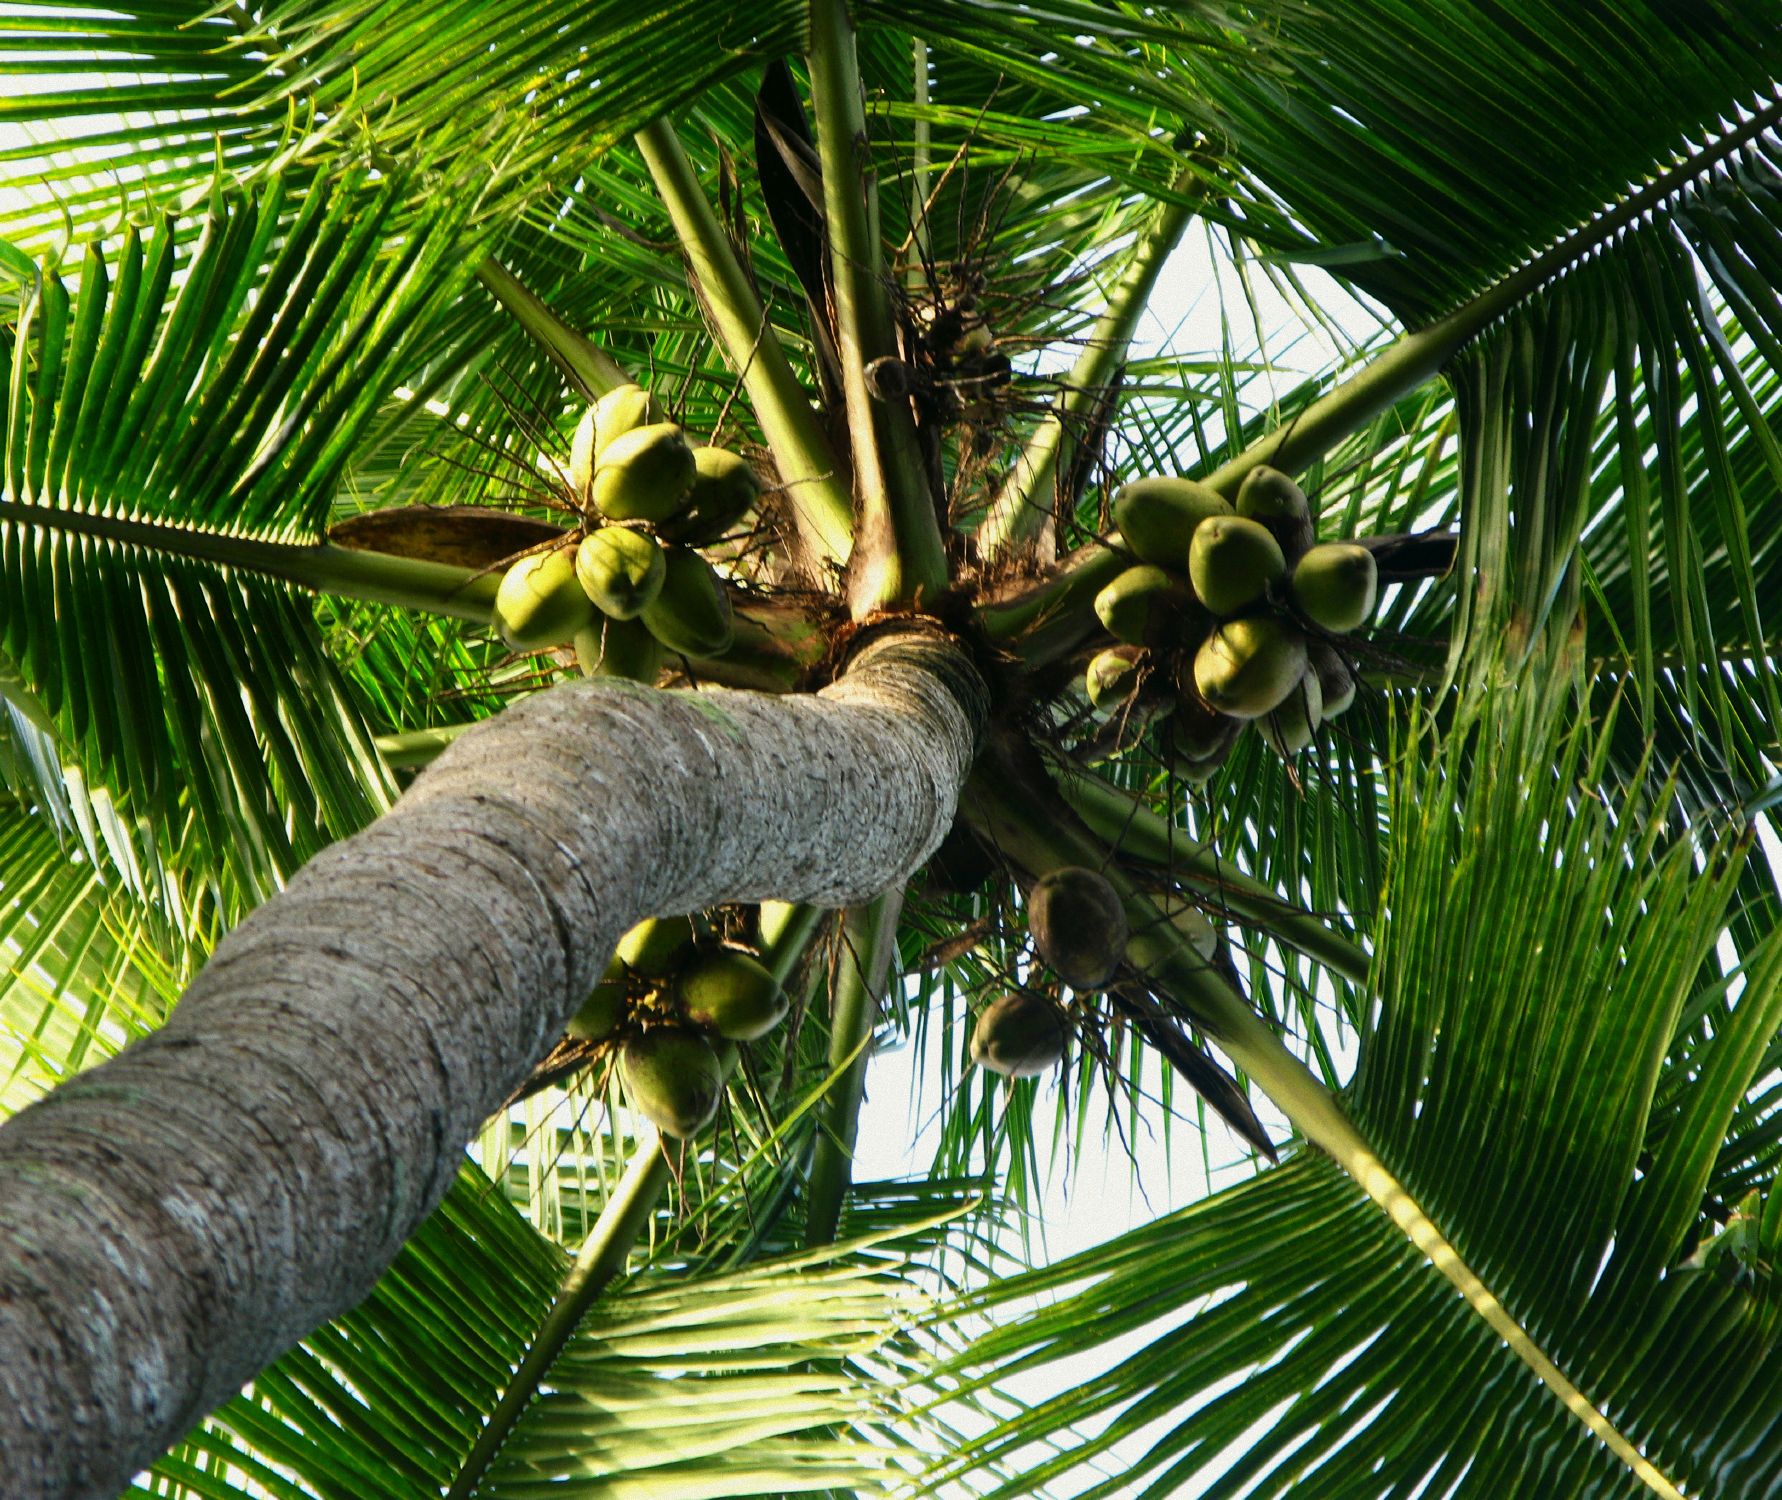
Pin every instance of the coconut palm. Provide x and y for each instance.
(307, 304)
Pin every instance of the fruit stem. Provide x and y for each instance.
(1022, 511)
(868, 942)
(595, 371)
(816, 483)
(322, 566)
(899, 554)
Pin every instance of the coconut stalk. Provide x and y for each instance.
(899, 554)
(1008, 808)
(815, 477)
(173, 1220)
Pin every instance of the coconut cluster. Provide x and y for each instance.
(670, 994)
(634, 586)
(1237, 605)
(1080, 930)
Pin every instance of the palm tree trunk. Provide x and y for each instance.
(174, 1220)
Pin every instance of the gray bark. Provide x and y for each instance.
(174, 1220)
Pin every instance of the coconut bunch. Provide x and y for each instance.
(631, 586)
(1236, 608)
(1080, 932)
(670, 997)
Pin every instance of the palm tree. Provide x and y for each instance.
(305, 307)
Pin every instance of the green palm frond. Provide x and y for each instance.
(170, 441)
(1461, 140)
(680, 1382)
(1544, 968)
(84, 967)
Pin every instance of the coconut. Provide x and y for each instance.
(581, 459)
(619, 411)
(1157, 517)
(692, 613)
(619, 648)
(539, 603)
(1018, 1036)
(1271, 497)
(643, 474)
(1336, 682)
(1111, 677)
(1231, 563)
(1078, 925)
(1246, 668)
(724, 487)
(673, 1079)
(732, 994)
(1137, 605)
(1191, 924)
(1292, 726)
(621, 570)
(1334, 585)
(656, 947)
(603, 1010)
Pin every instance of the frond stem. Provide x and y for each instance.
(900, 556)
(1417, 357)
(589, 366)
(1023, 509)
(868, 943)
(322, 566)
(815, 478)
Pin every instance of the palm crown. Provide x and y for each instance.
(290, 275)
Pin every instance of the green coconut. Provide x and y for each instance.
(619, 648)
(691, 614)
(1111, 677)
(1136, 607)
(581, 459)
(643, 474)
(1246, 668)
(724, 488)
(1157, 517)
(1197, 730)
(1334, 585)
(1336, 682)
(603, 1010)
(621, 570)
(1232, 561)
(539, 603)
(1191, 923)
(673, 1079)
(1078, 925)
(620, 411)
(657, 946)
(1271, 497)
(1018, 1036)
(732, 994)
(1292, 726)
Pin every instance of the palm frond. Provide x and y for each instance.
(1539, 956)
(168, 437)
